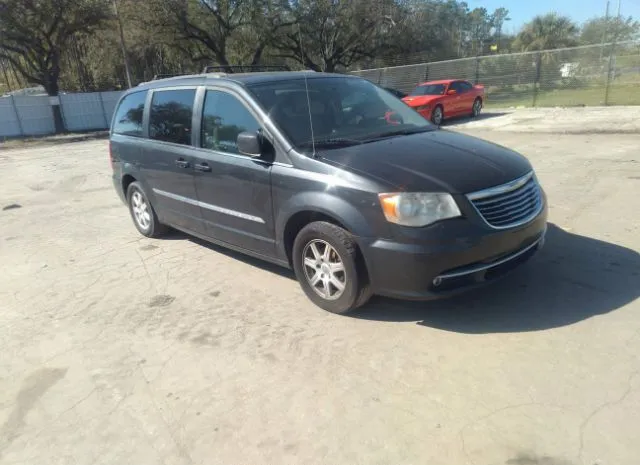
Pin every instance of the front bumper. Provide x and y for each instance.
(453, 257)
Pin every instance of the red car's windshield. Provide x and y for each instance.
(429, 89)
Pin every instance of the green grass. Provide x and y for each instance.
(619, 94)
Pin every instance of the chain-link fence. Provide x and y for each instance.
(606, 74)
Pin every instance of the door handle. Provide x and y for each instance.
(202, 166)
(182, 163)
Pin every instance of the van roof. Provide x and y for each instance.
(241, 78)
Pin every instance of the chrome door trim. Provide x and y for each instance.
(208, 206)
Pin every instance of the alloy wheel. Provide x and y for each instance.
(324, 269)
(141, 210)
(477, 107)
(437, 116)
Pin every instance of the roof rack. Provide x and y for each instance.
(219, 71)
(164, 76)
(244, 68)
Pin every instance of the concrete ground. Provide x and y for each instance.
(117, 349)
(586, 120)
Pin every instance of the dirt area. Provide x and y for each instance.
(48, 140)
(117, 349)
(586, 120)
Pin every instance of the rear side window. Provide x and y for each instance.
(170, 116)
(223, 118)
(466, 86)
(128, 120)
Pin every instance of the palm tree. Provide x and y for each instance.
(547, 32)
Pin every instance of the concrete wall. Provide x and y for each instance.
(26, 115)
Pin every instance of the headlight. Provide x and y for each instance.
(423, 108)
(418, 209)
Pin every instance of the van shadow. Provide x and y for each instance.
(468, 119)
(571, 279)
(251, 261)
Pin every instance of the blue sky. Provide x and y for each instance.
(522, 11)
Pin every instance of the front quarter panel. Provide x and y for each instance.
(447, 102)
(348, 198)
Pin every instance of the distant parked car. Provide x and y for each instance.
(440, 100)
(396, 92)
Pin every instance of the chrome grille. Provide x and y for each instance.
(511, 204)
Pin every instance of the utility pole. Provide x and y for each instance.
(606, 29)
(6, 76)
(123, 45)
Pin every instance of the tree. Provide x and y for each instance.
(479, 30)
(207, 25)
(168, 37)
(269, 18)
(328, 34)
(222, 30)
(498, 18)
(603, 29)
(433, 30)
(35, 33)
(547, 32)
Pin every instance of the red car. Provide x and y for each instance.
(438, 100)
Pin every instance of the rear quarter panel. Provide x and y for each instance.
(127, 153)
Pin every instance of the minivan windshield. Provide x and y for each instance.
(428, 89)
(333, 112)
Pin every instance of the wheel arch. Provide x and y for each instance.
(126, 181)
(441, 105)
(297, 222)
(306, 208)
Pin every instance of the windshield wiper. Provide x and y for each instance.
(399, 132)
(331, 142)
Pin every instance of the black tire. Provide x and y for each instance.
(435, 119)
(476, 108)
(153, 226)
(357, 290)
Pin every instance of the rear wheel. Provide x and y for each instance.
(477, 107)
(437, 116)
(327, 264)
(143, 215)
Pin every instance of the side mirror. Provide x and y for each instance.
(451, 92)
(249, 143)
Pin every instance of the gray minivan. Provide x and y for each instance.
(329, 175)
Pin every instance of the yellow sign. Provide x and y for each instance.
(494, 48)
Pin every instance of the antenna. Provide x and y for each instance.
(306, 86)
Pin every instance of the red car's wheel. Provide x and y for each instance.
(437, 115)
(477, 107)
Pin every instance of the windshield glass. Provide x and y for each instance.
(339, 111)
(429, 89)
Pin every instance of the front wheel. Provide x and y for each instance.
(327, 264)
(477, 108)
(437, 116)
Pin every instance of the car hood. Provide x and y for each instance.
(435, 161)
(420, 100)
